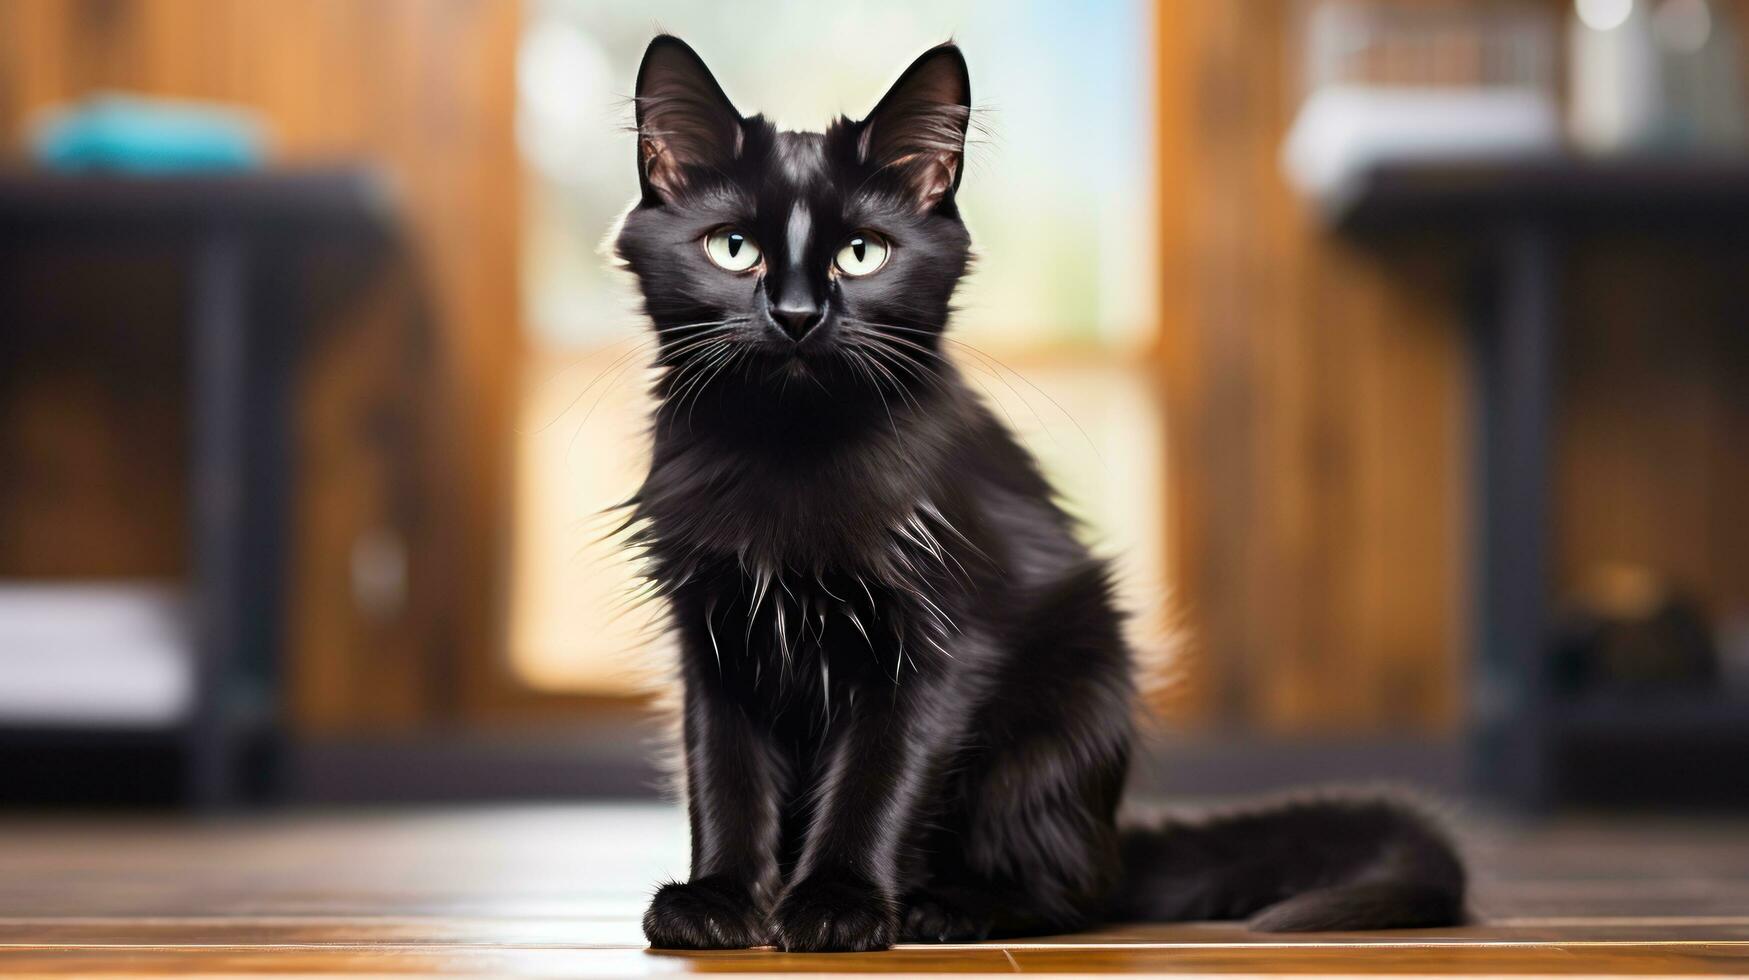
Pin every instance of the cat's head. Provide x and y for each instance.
(769, 260)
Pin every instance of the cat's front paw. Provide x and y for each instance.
(708, 913)
(946, 917)
(833, 915)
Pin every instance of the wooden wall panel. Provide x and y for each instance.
(1314, 412)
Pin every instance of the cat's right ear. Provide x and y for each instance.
(684, 119)
(919, 127)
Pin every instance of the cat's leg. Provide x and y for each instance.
(844, 890)
(1033, 846)
(734, 782)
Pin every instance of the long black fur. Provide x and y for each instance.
(907, 697)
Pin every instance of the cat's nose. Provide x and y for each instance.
(796, 320)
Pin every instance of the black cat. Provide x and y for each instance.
(907, 695)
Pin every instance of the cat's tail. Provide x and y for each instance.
(1307, 864)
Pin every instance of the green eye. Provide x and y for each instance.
(731, 249)
(866, 252)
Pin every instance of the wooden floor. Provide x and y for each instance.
(558, 891)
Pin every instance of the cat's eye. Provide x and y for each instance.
(866, 252)
(731, 249)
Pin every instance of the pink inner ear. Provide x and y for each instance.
(660, 167)
(930, 174)
(946, 166)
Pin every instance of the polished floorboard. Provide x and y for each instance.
(557, 891)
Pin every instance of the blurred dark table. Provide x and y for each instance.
(243, 235)
(1565, 194)
(1518, 216)
(328, 201)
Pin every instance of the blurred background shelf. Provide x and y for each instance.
(243, 246)
(1516, 221)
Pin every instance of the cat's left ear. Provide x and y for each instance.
(684, 119)
(919, 126)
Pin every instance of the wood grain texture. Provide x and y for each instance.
(1314, 405)
(558, 891)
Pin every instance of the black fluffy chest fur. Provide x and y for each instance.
(907, 697)
(849, 564)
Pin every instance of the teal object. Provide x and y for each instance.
(138, 135)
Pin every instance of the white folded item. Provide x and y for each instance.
(104, 655)
(1342, 130)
